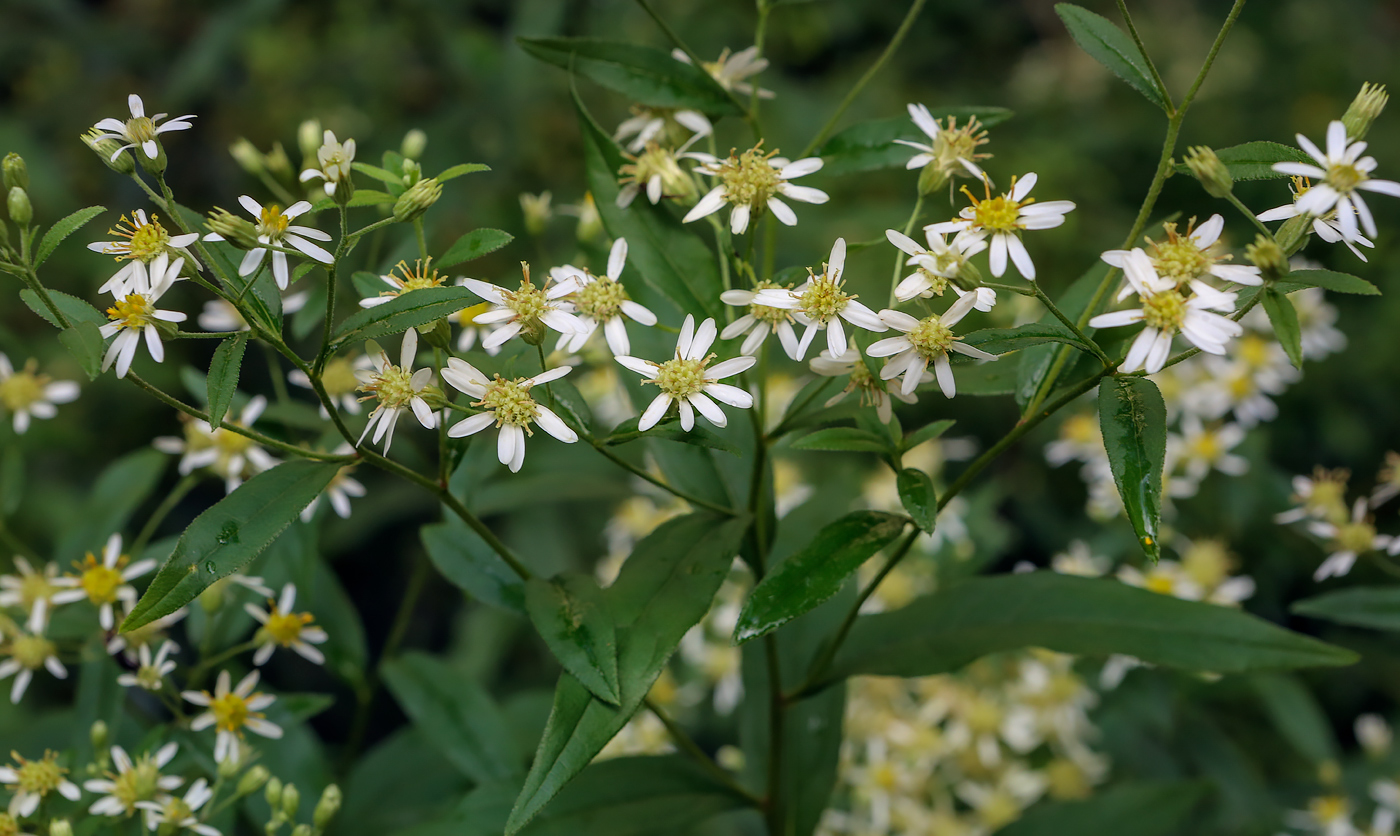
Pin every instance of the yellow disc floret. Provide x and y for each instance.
(681, 378)
(145, 239)
(601, 299)
(510, 402)
(749, 178)
(24, 388)
(1179, 258)
(823, 300)
(1164, 311)
(139, 783)
(931, 338)
(272, 223)
(132, 311)
(393, 387)
(285, 628)
(1356, 537)
(99, 580)
(998, 214)
(30, 650)
(39, 777)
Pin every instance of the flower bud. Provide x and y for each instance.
(309, 141)
(1207, 167)
(228, 768)
(21, 212)
(1268, 256)
(253, 780)
(537, 211)
(212, 598)
(412, 173)
(247, 155)
(291, 800)
(273, 793)
(413, 144)
(154, 166)
(98, 735)
(109, 150)
(932, 178)
(1364, 109)
(1293, 234)
(60, 827)
(414, 202)
(277, 163)
(590, 223)
(15, 174)
(232, 228)
(438, 334)
(968, 276)
(327, 807)
(301, 830)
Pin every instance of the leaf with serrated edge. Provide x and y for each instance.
(1284, 318)
(1108, 45)
(473, 245)
(918, 497)
(409, 310)
(1133, 420)
(927, 433)
(669, 430)
(460, 169)
(571, 615)
(1328, 280)
(1255, 160)
(75, 309)
(645, 75)
(1002, 340)
(223, 376)
(65, 227)
(845, 439)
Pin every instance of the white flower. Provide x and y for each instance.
(527, 308)
(1320, 498)
(151, 672)
(179, 814)
(752, 182)
(145, 239)
(274, 228)
(1317, 321)
(731, 70)
(936, 264)
(922, 342)
(103, 582)
(30, 781)
(27, 394)
(688, 380)
(948, 147)
(283, 628)
(134, 781)
(821, 303)
(1166, 312)
(134, 313)
(602, 300)
(420, 276)
(338, 492)
(230, 455)
(1327, 226)
(140, 130)
(397, 388)
(760, 321)
(509, 405)
(1201, 448)
(29, 651)
(1079, 559)
(1004, 217)
(220, 315)
(29, 587)
(340, 379)
(1342, 173)
(232, 711)
(1080, 439)
(335, 160)
(1182, 258)
(1349, 539)
(873, 391)
(647, 124)
(129, 644)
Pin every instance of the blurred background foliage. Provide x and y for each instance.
(257, 68)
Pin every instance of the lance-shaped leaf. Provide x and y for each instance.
(75, 309)
(572, 617)
(467, 561)
(1002, 340)
(1133, 419)
(231, 533)
(926, 433)
(816, 573)
(669, 429)
(409, 310)
(1255, 160)
(460, 169)
(641, 73)
(944, 631)
(65, 227)
(1112, 47)
(1298, 717)
(871, 145)
(1328, 280)
(1147, 809)
(1376, 607)
(223, 376)
(919, 498)
(472, 246)
(1284, 317)
(842, 439)
(84, 341)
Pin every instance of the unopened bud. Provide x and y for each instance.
(229, 767)
(412, 172)
(15, 174)
(1268, 256)
(98, 735)
(277, 163)
(932, 178)
(153, 165)
(309, 141)
(60, 827)
(1293, 234)
(273, 793)
(1212, 173)
(253, 780)
(301, 830)
(17, 203)
(327, 807)
(968, 276)
(236, 230)
(537, 211)
(438, 334)
(590, 223)
(247, 155)
(1364, 109)
(414, 142)
(414, 202)
(110, 151)
(291, 800)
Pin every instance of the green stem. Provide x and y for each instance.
(324, 353)
(1070, 324)
(1018, 289)
(795, 410)
(774, 801)
(1244, 210)
(422, 239)
(642, 474)
(899, 254)
(691, 748)
(1151, 67)
(177, 493)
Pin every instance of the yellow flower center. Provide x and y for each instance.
(132, 311)
(39, 777)
(393, 387)
(1160, 582)
(421, 275)
(1345, 177)
(34, 586)
(1164, 311)
(149, 677)
(176, 810)
(510, 402)
(528, 302)
(1356, 537)
(984, 717)
(99, 580)
(23, 389)
(285, 628)
(1000, 213)
(272, 222)
(931, 338)
(140, 129)
(884, 776)
(231, 443)
(230, 712)
(681, 378)
(764, 313)
(1207, 562)
(1178, 258)
(749, 179)
(954, 143)
(1328, 497)
(1081, 428)
(339, 377)
(9, 826)
(936, 283)
(823, 299)
(1328, 808)
(145, 241)
(31, 650)
(1206, 446)
(1000, 808)
(656, 161)
(467, 316)
(1254, 351)
(139, 783)
(601, 299)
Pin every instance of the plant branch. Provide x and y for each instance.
(674, 491)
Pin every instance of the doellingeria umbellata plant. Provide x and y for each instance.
(856, 668)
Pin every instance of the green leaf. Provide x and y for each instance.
(1255, 160)
(381, 174)
(572, 407)
(1108, 45)
(815, 573)
(917, 495)
(870, 145)
(844, 439)
(84, 341)
(1002, 340)
(670, 430)
(120, 490)
(1297, 716)
(231, 533)
(11, 480)
(464, 559)
(642, 74)
(1142, 809)
(361, 197)
(927, 432)
(944, 631)
(75, 309)
(1376, 607)
(414, 308)
(65, 227)
(455, 715)
(1133, 419)
(664, 589)
(223, 376)
(460, 169)
(473, 245)
(1328, 280)
(572, 617)
(1284, 317)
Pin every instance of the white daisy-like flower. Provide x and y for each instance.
(103, 582)
(420, 275)
(527, 308)
(397, 388)
(1202, 449)
(657, 169)
(1004, 218)
(1342, 174)
(29, 587)
(662, 124)
(232, 711)
(923, 342)
(281, 627)
(950, 148)
(134, 313)
(145, 239)
(820, 303)
(229, 455)
(760, 320)
(29, 650)
(1322, 497)
(134, 781)
(1080, 439)
(335, 159)
(602, 301)
(151, 671)
(873, 391)
(179, 813)
(937, 263)
(129, 644)
(27, 394)
(731, 70)
(340, 379)
(1327, 226)
(509, 405)
(1194, 255)
(752, 182)
(140, 130)
(1327, 815)
(275, 228)
(1166, 311)
(471, 331)
(1348, 539)
(338, 493)
(689, 380)
(30, 781)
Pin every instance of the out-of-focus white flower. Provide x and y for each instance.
(1328, 815)
(133, 314)
(397, 388)
(281, 627)
(275, 229)
(29, 587)
(1343, 173)
(952, 150)
(31, 781)
(230, 712)
(1322, 497)
(1079, 559)
(1080, 439)
(509, 405)
(29, 650)
(1348, 540)
(338, 493)
(1004, 218)
(140, 130)
(335, 159)
(150, 674)
(229, 455)
(179, 813)
(134, 781)
(923, 342)
(689, 380)
(821, 302)
(657, 169)
(752, 182)
(1375, 736)
(1201, 449)
(664, 125)
(340, 379)
(602, 301)
(103, 582)
(731, 70)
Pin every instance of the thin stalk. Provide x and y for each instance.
(1020, 290)
(1245, 210)
(197, 673)
(674, 491)
(1070, 324)
(324, 353)
(274, 371)
(422, 239)
(1151, 67)
(691, 748)
(695, 60)
(177, 493)
(774, 803)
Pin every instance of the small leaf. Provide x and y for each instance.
(1297, 716)
(1108, 45)
(460, 169)
(1002, 340)
(870, 146)
(84, 341)
(1255, 160)
(467, 561)
(63, 229)
(1133, 419)
(231, 533)
(573, 619)
(1284, 317)
(75, 309)
(414, 308)
(223, 376)
(927, 433)
(642, 74)
(670, 430)
(918, 497)
(815, 573)
(1376, 607)
(845, 439)
(378, 173)
(1328, 280)
(572, 407)
(473, 245)
(1142, 809)
(361, 197)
